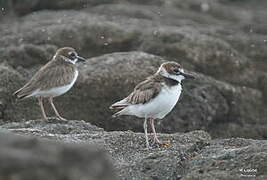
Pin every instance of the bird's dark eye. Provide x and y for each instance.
(72, 54)
(176, 70)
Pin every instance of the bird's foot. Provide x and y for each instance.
(158, 143)
(61, 118)
(45, 118)
(56, 119)
(166, 143)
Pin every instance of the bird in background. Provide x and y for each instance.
(155, 97)
(53, 79)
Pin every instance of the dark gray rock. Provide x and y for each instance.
(31, 158)
(23, 7)
(238, 159)
(263, 86)
(11, 80)
(27, 55)
(191, 155)
(127, 149)
(222, 39)
(222, 47)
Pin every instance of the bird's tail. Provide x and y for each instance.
(116, 114)
(19, 94)
(120, 105)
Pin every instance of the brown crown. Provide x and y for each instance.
(171, 67)
(66, 52)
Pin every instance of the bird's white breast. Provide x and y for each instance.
(159, 106)
(57, 91)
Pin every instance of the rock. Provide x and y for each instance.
(212, 49)
(87, 35)
(33, 158)
(189, 156)
(263, 86)
(238, 159)
(27, 55)
(28, 6)
(207, 54)
(223, 42)
(10, 109)
(219, 39)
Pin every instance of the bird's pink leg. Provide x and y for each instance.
(156, 140)
(145, 130)
(55, 110)
(40, 101)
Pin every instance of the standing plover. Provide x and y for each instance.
(155, 97)
(53, 79)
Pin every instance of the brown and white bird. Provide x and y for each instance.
(155, 97)
(53, 79)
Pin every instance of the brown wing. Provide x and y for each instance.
(144, 92)
(47, 77)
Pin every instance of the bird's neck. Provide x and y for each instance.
(168, 81)
(64, 61)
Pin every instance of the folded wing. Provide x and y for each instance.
(143, 93)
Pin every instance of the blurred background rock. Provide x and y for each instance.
(29, 158)
(223, 42)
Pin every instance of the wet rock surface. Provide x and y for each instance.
(191, 155)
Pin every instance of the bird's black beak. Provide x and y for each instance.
(187, 75)
(80, 59)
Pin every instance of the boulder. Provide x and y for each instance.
(31, 158)
(10, 109)
(27, 55)
(263, 86)
(223, 52)
(23, 7)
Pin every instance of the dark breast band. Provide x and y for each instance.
(171, 82)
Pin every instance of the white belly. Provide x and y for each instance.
(55, 91)
(160, 106)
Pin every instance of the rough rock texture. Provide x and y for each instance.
(190, 156)
(30, 158)
(222, 41)
(11, 80)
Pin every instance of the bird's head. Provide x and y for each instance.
(174, 71)
(69, 55)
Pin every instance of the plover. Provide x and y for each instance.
(53, 79)
(155, 97)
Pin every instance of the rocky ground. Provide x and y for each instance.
(193, 155)
(223, 42)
